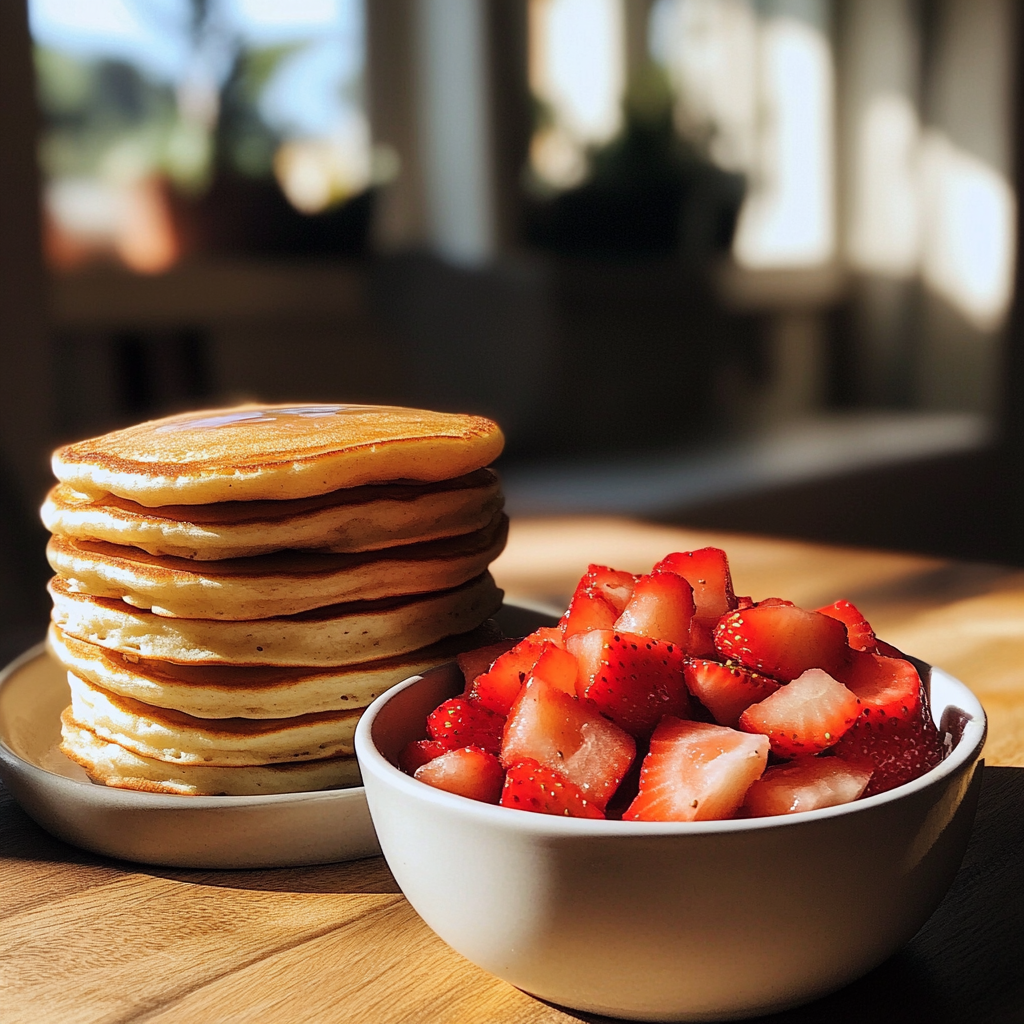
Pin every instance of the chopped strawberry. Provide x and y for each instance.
(475, 663)
(598, 601)
(497, 688)
(460, 722)
(808, 715)
(696, 772)
(806, 785)
(898, 750)
(558, 667)
(887, 687)
(783, 641)
(564, 734)
(630, 679)
(726, 690)
(529, 786)
(552, 633)
(418, 753)
(744, 602)
(861, 636)
(707, 571)
(661, 607)
(887, 650)
(467, 771)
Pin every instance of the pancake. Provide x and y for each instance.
(226, 691)
(342, 634)
(350, 520)
(284, 583)
(112, 765)
(277, 451)
(184, 739)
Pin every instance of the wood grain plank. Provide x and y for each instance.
(117, 950)
(387, 968)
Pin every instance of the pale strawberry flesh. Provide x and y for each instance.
(726, 690)
(660, 607)
(467, 771)
(598, 600)
(696, 772)
(632, 680)
(564, 734)
(529, 786)
(806, 785)
(804, 717)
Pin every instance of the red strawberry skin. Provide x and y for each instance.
(897, 750)
(598, 600)
(529, 786)
(633, 680)
(460, 722)
(498, 687)
(886, 687)
(726, 690)
(707, 572)
(418, 753)
(475, 663)
(861, 636)
(468, 771)
(783, 641)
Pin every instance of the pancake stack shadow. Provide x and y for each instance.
(228, 646)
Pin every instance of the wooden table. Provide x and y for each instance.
(87, 939)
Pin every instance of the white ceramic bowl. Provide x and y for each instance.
(671, 921)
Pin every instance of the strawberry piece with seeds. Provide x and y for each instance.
(806, 785)
(898, 750)
(783, 641)
(529, 786)
(886, 687)
(726, 690)
(598, 601)
(707, 571)
(460, 722)
(806, 716)
(696, 772)
(467, 771)
(418, 753)
(633, 680)
(562, 733)
(860, 635)
(660, 607)
(475, 663)
(497, 688)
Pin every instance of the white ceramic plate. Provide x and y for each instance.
(279, 830)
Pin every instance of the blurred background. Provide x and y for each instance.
(743, 264)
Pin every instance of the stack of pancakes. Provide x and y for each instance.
(234, 586)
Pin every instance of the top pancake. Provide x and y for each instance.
(275, 452)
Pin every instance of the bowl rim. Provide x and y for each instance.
(373, 762)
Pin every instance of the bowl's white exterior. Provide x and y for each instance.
(664, 921)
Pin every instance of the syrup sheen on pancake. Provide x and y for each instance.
(276, 452)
